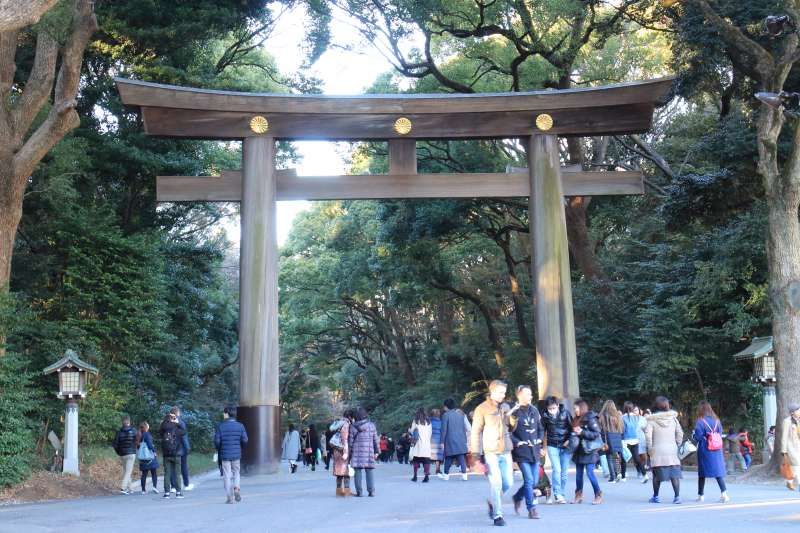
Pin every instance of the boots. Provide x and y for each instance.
(340, 492)
(598, 499)
(578, 497)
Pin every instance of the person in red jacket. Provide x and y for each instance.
(746, 447)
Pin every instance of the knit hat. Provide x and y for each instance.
(793, 407)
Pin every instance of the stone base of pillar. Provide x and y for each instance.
(262, 455)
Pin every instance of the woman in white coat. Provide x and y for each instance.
(291, 448)
(420, 432)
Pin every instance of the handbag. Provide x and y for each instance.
(786, 471)
(626, 454)
(604, 465)
(591, 446)
(350, 471)
(144, 454)
(686, 449)
(308, 451)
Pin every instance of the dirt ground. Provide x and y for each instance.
(101, 477)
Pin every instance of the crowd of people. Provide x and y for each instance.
(173, 436)
(497, 437)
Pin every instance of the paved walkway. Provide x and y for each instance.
(306, 502)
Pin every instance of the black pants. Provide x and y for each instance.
(634, 449)
(328, 458)
(701, 485)
(153, 474)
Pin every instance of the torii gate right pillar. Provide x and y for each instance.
(556, 356)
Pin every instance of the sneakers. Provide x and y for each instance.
(561, 500)
(700, 499)
(154, 490)
(464, 477)
(443, 477)
(654, 499)
(166, 495)
(612, 480)
(623, 479)
(189, 487)
(646, 478)
(724, 498)
(237, 494)
(124, 491)
(229, 500)
(677, 500)
(143, 492)
(532, 514)
(499, 521)
(179, 495)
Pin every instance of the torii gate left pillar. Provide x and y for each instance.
(259, 392)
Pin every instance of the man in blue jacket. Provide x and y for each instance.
(229, 439)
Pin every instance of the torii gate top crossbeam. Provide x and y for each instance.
(174, 111)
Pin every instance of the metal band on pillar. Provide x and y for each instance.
(556, 359)
(259, 400)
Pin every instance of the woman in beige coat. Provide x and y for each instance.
(790, 443)
(664, 435)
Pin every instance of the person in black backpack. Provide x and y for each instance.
(125, 446)
(171, 434)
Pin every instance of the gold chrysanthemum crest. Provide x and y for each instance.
(544, 122)
(402, 126)
(259, 124)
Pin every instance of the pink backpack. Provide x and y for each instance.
(713, 438)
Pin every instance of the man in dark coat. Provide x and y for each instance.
(125, 446)
(455, 429)
(171, 434)
(229, 438)
(527, 437)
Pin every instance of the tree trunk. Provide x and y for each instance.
(486, 313)
(783, 255)
(10, 215)
(516, 294)
(15, 14)
(398, 339)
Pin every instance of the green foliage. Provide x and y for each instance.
(18, 400)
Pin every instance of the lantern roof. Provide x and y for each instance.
(70, 360)
(759, 347)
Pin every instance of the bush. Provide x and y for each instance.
(17, 436)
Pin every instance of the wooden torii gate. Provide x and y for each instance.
(259, 119)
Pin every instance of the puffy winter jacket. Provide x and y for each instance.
(229, 439)
(125, 441)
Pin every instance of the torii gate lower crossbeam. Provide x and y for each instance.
(260, 119)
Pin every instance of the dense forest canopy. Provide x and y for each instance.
(395, 305)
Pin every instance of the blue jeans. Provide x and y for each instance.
(501, 477)
(559, 461)
(747, 460)
(590, 474)
(530, 478)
